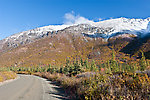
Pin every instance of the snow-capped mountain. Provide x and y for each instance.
(108, 27)
(148, 27)
(121, 24)
(103, 29)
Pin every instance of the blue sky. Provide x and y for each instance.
(21, 15)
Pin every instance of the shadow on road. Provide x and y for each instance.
(59, 92)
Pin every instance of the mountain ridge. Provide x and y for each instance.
(103, 29)
(53, 45)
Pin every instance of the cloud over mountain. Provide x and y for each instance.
(71, 18)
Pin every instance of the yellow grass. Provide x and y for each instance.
(7, 75)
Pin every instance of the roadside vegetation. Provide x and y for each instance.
(85, 79)
(7, 75)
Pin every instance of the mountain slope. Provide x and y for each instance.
(95, 40)
(104, 29)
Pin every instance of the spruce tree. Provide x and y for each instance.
(93, 66)
(114, 66)
(142, 62)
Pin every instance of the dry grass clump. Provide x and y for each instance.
(1, 79)
(7, 75)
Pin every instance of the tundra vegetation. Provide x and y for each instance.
(88, 80)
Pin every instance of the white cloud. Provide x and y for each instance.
(71, 18)
(100, 19)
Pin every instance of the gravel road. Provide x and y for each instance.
(28, 87)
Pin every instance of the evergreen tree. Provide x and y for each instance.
(49, 68)
(86, 64)
(142, 62)
(113, 55)
(93, 66)
(114, 66)
(77, 68)
(66, 69)
(81, 61)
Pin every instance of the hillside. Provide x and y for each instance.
(56, 49)
(95, 40)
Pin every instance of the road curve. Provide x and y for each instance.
(29, 87)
